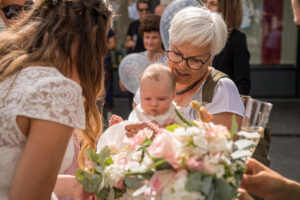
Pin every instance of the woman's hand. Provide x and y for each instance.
(115, 119)
(168, 122)
(264, 182)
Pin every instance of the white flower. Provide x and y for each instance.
(218, 144)
(147, 162)
(231, 180)
(114, 173)
(177, 191)
(220, 171)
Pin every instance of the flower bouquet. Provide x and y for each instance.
(192, 160)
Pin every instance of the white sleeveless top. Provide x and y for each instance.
(35, 92)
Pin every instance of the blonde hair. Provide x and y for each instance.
(199, 27)
(156, 72)
(46, 35)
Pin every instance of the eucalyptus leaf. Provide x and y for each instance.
(244, 144)
(103, 155)
(90, 183)
(240, 154)
(132, 182)
(103, 194)
(99, 169)
(194, 182)
(207, 185)
(93, 156)
(249, 135)
(223, 191)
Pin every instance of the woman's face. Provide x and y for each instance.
(152, 41)
(211, 5)
(183, 73)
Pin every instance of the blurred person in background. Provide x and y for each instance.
(159, 9)
(134, 41)
(234, 58)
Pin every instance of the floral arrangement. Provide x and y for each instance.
(193, 160)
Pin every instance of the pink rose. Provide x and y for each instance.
(120, 184)
(160, 180)
(166, 147)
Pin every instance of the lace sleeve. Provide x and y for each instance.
(55, 99)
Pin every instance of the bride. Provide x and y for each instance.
(47, 90)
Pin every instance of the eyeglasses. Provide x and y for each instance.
(13, 11)
(143, 9)
(191, 62)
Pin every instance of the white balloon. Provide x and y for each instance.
(130, 69)
(168, 15)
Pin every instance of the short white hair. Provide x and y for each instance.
(199, 27)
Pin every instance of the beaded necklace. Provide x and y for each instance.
(189, 88)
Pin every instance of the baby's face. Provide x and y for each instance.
(156, 96)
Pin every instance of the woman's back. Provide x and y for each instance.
(34, 92)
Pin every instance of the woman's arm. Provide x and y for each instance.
(37, 170)
(226, 119)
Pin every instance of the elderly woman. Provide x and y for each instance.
(196, 36)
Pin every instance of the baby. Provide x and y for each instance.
(157, 88)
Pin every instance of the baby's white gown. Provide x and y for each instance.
(116, 134)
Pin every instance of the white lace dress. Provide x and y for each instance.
(115, 134)
(35, 92)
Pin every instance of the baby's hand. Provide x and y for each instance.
(168, 122)
(115, 119)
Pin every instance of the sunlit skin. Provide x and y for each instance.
(5, 3)
(211, 5)
(156, 96)
(184, 75)
(296, 11)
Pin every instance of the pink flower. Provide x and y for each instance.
(139, 138)
(199, 165)
(166, 147)
(159, 181)
(120, 184)
(217, 131)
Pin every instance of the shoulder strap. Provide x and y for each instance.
(210, 84)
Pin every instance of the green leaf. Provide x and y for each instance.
(223, 191)
(132, 182)
(194, 182)
(108, 161)
(104, 155)
(234, 126)
(161, 164)
(99, 169)
(103, 194)
(172, 127)
(90, 183)
(240, 154)
(244, 144)
(207, 183)
(93, 156)
(183, 119)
